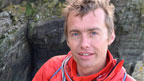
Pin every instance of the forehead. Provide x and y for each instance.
(99, 13)
(91, 19)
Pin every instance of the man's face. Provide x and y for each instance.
(88, 38)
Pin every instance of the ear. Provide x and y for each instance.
(111, 38)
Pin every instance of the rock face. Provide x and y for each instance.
(30, 34)
(46, 40)
(4, 3)
(130, 31)
(15, 57)
(138, 73)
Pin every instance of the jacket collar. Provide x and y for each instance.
(103, 74)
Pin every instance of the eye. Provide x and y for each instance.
(93, 33)
(75, 34)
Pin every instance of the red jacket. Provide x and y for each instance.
(114, 71)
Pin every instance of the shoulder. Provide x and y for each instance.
(53, 63)
(48, 68)
(129, 78)
(55, 60)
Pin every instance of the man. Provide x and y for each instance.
(89, 30)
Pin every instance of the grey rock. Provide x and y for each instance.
(4, 3)
(129, 30)
(15, 57)
(138, 73)
(46, 41)
(5, 23)
(4, 14)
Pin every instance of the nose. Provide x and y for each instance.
(85, 43)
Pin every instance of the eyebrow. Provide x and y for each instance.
(73, 30)
(91, 29)
(95, 28)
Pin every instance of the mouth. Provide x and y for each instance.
(85, 54)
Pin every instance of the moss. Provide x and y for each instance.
(142, 10)
(31, 10)
(36, 11)
(142, 6)
(51, 9)
(12, 31)
(31, 26)
(16, 11)
(142, 24)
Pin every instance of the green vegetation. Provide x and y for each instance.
(142, 6)
(36, 10)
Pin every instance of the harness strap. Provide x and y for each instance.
(62, 67)
(55, 73)
(124, 78)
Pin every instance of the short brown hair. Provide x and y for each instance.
(82, 7)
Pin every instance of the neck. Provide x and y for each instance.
(85, 71)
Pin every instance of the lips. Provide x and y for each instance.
(85, 54)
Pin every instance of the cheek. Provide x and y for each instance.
(72, 45)
(97, 43)
(100, 45)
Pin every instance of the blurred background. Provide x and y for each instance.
(31, 32)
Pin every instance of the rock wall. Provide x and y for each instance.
(46, 40)
(32, 32)
(15, 57)
(19, 57)
(138, 73)
(130, 31)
